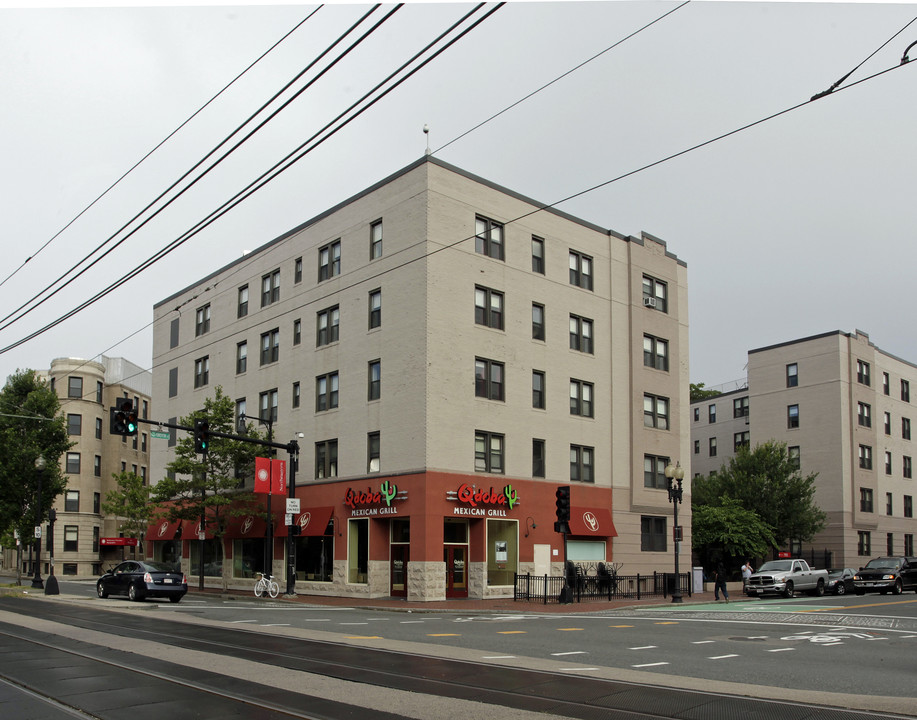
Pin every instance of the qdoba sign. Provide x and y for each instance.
(470, 498)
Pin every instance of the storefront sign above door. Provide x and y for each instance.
(470, 498)
(374, 502)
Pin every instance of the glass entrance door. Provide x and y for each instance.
(455, 557)
(399, 570)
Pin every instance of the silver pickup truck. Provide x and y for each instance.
(786, 577)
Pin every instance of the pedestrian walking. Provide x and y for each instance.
(719, 583)
(747, 571)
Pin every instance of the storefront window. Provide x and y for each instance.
(357, 551)
(168, 551)
(213, 558)
(585, 552)
(401, 531)
(502, 551)
(247, 557)
(314, 558)
(455, 531)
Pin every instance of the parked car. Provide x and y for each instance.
(786, 577)
(840, 581)
(887, 574)
(140, 580)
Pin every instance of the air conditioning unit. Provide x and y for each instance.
(649, 302)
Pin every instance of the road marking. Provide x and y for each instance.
(722, 657)
(443, 635)
(276, 625)
(353, 623)
(621, 626)
(877, 638)
(658, 664)
(498, 657)
(411, 622)
(363, 637)
(643, 647)
(668, 622)
(235, 622)
(577, 669)
(570, 629)
(703, 642)
(317, 620)
(782, 650)
(571, 652)
(881, 604)
(511, 632)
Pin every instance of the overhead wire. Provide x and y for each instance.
(159, 145)
(49, 293)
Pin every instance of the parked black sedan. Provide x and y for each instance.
(840, 581)
(140, 580)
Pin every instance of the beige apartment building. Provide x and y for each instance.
(843, 407)
(86, 541)
(447, 353)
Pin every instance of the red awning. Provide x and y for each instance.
(162, 530)
(591, 521)
(246, 526)
(189, 530)
(313, 522)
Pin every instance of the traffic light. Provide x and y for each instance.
(201, 436)
(123, 418)
(563, 504)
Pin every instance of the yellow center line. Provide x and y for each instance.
(570, 629)
(668, 622)
(857, 607)
(443, 635)
(511, 632)
(621, 626)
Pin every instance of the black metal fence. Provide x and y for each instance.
(582, 586)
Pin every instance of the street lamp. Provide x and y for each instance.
(40, 465)
(676, 473)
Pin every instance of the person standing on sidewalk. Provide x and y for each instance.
(747, 571)
(719, 583)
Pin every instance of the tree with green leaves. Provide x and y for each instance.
(728, 531)
(31, 424)
(765, 481)
(131, 504)
(699, 392)
(193, 488)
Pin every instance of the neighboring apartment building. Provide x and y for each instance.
(843, 407)
(450, 354)
(86, 541)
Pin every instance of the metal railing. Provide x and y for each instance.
(585, 587)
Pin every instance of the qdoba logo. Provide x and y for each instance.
(304, 520)
(163, 528)
(591, 521)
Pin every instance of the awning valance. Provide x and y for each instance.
(312, 522)
(162, 530)
(594, 522)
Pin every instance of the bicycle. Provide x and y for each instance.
(266, 584)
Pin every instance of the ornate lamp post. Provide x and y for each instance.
(675, 473)
(40, 465)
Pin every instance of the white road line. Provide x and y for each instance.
(411, 622)
(650, 665)
(498, 657)
(572, 652)
(722, 657)
(317, 620)
(353, 623)
(876, 638)
(644, 647)
(782, 650)
(703, 642)
(235, 622)
(275, 625)
(831, 644)
(577, 669)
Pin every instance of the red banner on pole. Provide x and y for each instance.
(270, 476)
(279, 477)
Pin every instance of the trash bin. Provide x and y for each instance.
(671, 583)
(697, 579)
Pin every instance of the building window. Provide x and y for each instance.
(327, 326)
(865, 457)
(905, 391)
(655, 353)
(374, 381)
(888, 462)
(538, 389)
(243, 302)
(270, 346)
(890, 543)
(326, 459)
(202, 320)
(270, 288)
(653, 535)
(73, 463)
(538, 458)
(297, 270)
(97, 466)
(97, 503)
(794, 457)
(713, 447)
(580, 270)
(886, 383)
(296, 394)
(697, 447)
(864, 543)
(581, 402)
(792, 375)
(864, 415)
(654, 472)
(537, 321)
(240, 411)
(74, 424)
(142, 442)
(696, 414)
(740, 440)
(173, 382)
(581, 334)
(241, 357)
(655, 294)
(792, 416)
(373, 448)
(908, 506)
(488, 379)
(537, 255)
(99, 391)
(866, 500)
(888, 423)
(582, 464)
(906, 428)
(173, 334)
(201, 371)
(375, 309)
(75, 387)
(863, 372)
(656, 412)
(888, 503)
(908, 544)
(488, 452)
(488, 307)
(711, 414)
(488, 238)
(72, 501)
(297, 331)
(98, 428)
(906, 466)
(71, 538)
(740, 407)
(267, 405)
(326, 392)
(375, 240)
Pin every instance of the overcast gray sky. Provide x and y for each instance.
(799, 225)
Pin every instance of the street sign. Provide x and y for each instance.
(38, 532)
(288, 519)
(159, 434)
(292, 506)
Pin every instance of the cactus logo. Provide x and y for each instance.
(591, 521)
(247, 525)
(163, 528)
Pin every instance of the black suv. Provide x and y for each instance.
(887, 574)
